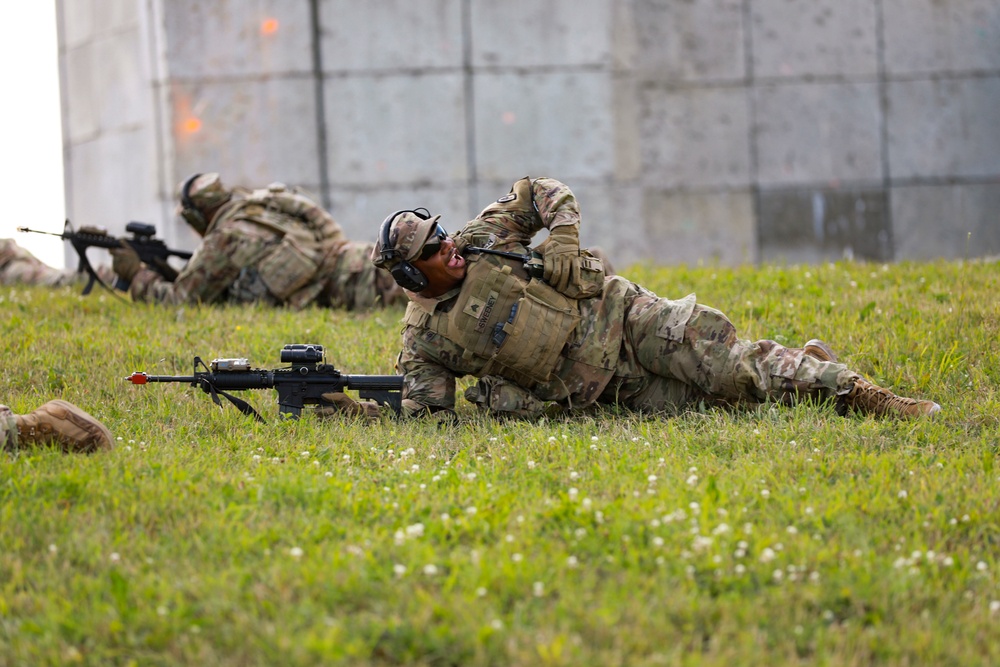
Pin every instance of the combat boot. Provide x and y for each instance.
(65, 424)
(868, 398)
(819, 350)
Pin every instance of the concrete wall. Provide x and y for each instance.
(722, 131)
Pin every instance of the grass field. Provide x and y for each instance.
(786, 536)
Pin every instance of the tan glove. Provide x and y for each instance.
(65, 424)
(338, 403)
(125, 262)
(561, 259)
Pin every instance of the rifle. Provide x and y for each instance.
(152, 251)
(303, 382)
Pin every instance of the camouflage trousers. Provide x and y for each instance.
(356, 284)
(8, 429)
(20, 267)
(677, 353)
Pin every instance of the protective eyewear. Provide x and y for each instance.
(433, 244)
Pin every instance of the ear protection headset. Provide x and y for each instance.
(188, 210)
(405, 274)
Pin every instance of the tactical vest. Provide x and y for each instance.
(518, 325)
(292, 268)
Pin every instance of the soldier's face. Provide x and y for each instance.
(444, 269)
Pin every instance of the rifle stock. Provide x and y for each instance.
(302, 383)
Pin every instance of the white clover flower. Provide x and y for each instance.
(306, 454)
(538, 589)
(721, 529)
(115, 557)
(531, 465)
(517, 558)
(415, 530)
(778, 575)
(399, 537)
(574, 475)
(430, 570)
(765, 493)
(256, 457)
(471, 476)
(903, 494)
(573, 492)
(496, 624)
(586, 502)
(994, 606)
(692, 480)
(399, 570)
(480, 592)
(162, 611)
(572, 561)
(740, 568)
(295, 552)
(53, 548)
(470, 510)
(767, 555)
(791, 530)
(700, 543)
(982, 566)
(657, 541)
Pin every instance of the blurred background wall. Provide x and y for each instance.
(715, 131)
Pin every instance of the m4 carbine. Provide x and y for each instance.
(153, 252)
(302, 383)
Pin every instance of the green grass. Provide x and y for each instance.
(786, 536)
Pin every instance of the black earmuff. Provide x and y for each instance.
(405, 274)
(188, 210)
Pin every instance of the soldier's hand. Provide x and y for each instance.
(125, 262)
(338, 403)
(561, 258)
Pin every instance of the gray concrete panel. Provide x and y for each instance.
(795, 38)
(557, 123)
(694, 137)
(689, 41)
(395, 130)
(105, 86)
(950, 221)
(251, 132)
(818, 133)
(263, 37)
(110, 181)
(528, 33)
(926, 36)
(391, 35)
(77, 20)
(944, 127)
(809, 226)
(693, 227)
(361, 212)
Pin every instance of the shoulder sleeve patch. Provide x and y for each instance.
(506, 198)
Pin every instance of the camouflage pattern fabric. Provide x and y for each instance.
(631, 348)
(8, 429)
(20, 267)
(271, 246)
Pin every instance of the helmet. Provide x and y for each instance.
(402, 237)
(201, 193)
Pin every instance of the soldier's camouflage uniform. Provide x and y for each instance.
(8, 429)
(629, 347)
(274, 246)
(20, 267)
